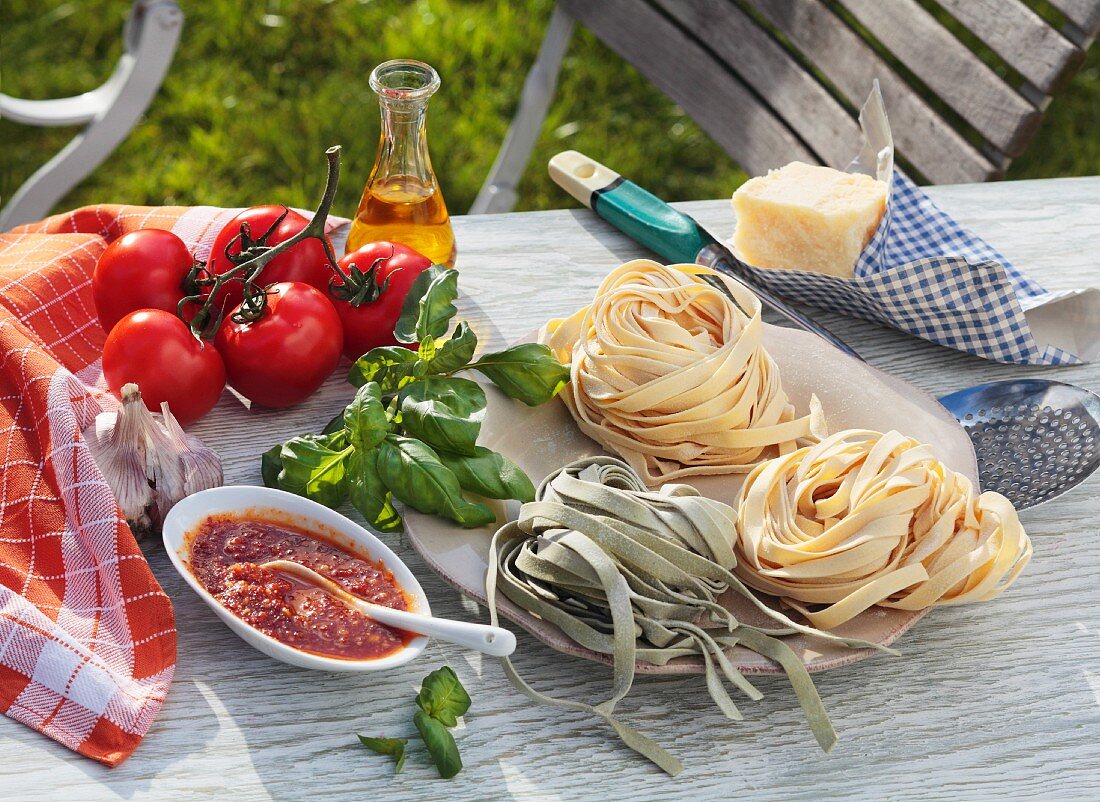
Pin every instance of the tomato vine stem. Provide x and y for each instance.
(251, 262)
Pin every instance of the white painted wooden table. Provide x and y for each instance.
(993, 701)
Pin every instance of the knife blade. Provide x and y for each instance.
(669, 233)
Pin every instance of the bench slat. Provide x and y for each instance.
(680, 67)
(956, 75)
(926, 140)
(762, 63)
(1021, 37)
(1085, 14)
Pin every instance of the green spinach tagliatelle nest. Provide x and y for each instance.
(636, 574)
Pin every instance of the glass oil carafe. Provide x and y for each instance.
(402, 201)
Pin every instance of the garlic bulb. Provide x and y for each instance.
(149, 461)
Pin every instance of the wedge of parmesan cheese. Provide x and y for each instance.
(802, 217)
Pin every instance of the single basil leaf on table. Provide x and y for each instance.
(270, 465)
(441, 745)
(428, 307)
(394, 747)
(369, 495)
(444, 412)
(442, 696)
(411, 470)
(313, 468)
(392, 366)
(455, 353)
(489, 474)
(365, 418)
(527, 372)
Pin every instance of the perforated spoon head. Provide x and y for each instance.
(1034, 438)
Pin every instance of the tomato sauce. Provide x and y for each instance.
(226, 553)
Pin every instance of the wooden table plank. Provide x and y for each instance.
(995, 700)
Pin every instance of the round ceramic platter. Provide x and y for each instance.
(854, 395)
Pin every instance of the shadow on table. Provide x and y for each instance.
(156, 755)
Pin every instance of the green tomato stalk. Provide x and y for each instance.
(250, 262)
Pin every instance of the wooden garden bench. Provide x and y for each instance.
(772, 81)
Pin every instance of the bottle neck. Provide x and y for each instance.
(403, 144)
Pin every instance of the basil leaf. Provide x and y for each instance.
(369, 495)
(365, 418)
(313, 468)
(392, 367)
(455, 353)
(442, 696)
(489, 474)
(270, 466)
(413, 473)
(444, 412)
(527, 372)
(425, 351)
(394, 747)
(428, 307)
(441, 745)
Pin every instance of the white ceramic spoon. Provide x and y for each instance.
(494, 641)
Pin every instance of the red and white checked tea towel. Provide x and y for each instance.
(87, 636)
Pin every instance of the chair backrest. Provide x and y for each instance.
(108, 112)
(777, 80)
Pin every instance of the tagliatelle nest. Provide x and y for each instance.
(668, 372)
(864, 518)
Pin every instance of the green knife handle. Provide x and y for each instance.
(639, 214)
(650, 221)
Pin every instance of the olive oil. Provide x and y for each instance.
(402, 201)
(402, 209)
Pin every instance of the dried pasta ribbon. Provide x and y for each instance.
(636, 574)
(864, 518)
(669, 372)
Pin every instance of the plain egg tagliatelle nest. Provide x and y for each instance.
(669, 372)
(865, 519)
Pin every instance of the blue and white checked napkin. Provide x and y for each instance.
(925, 274)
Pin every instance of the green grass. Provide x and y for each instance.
(259, 89)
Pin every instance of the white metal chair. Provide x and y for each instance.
(498, 193)
(151, 34)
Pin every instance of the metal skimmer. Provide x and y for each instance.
(1034, 438)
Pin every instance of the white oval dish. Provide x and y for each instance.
(189, 513)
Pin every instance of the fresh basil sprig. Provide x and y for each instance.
(410, 433)
(441, 701)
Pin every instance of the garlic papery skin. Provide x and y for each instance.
(199, 467)
(117, 442)
(149, 461)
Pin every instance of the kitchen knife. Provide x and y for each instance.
(673, 235)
